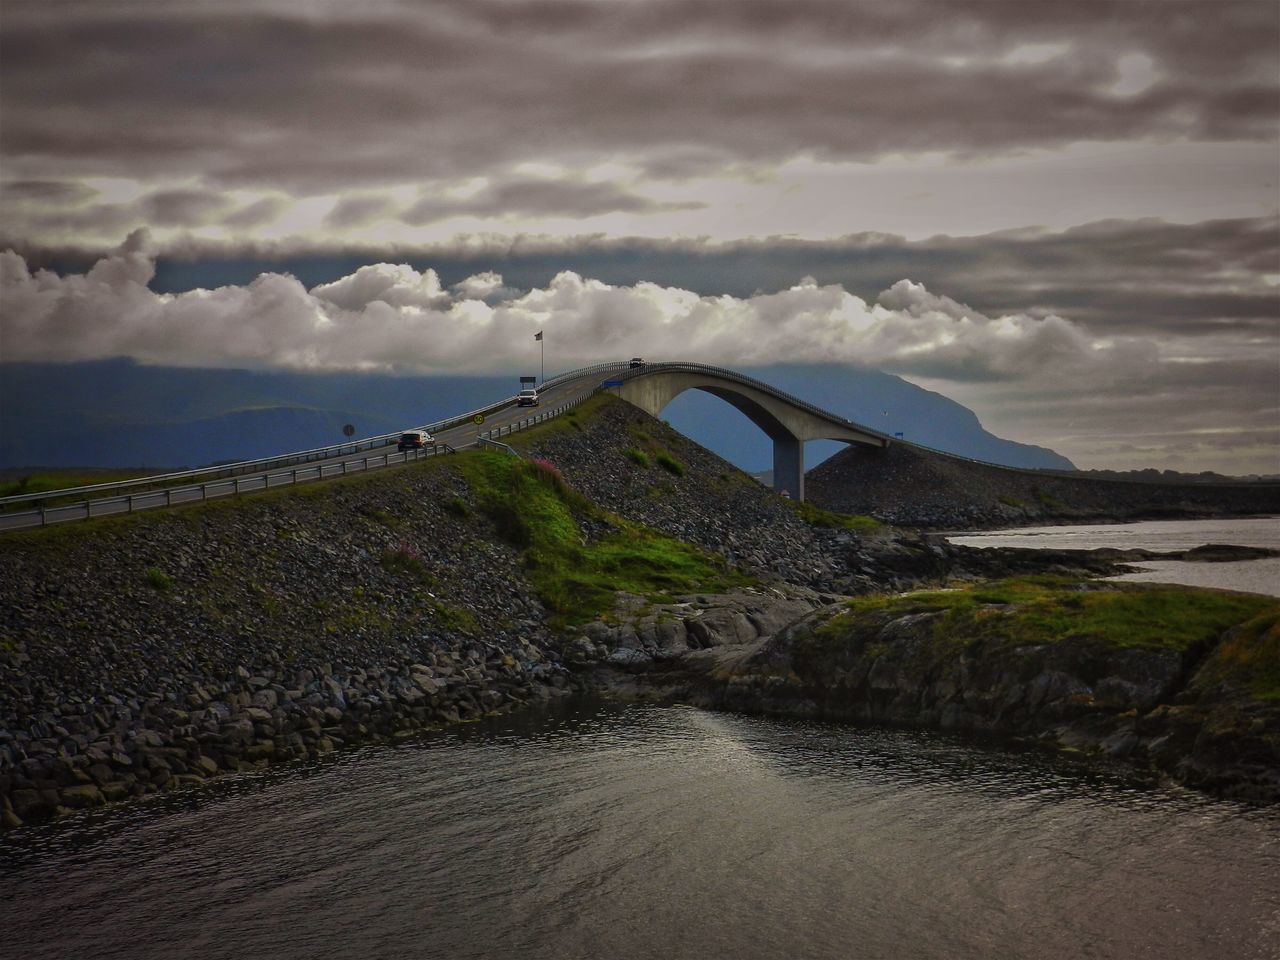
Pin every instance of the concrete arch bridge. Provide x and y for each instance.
(787, 420)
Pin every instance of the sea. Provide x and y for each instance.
(1252, 576)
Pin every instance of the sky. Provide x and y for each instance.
(1064, 215)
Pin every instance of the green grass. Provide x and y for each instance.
(837, 521)
(60, 479)
(1251, 655)
(536, 511)
(638, 457)
(670, 464)
(157, 579)
(1050, 609)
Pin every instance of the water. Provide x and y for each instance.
(636, 832)
(1253, 576)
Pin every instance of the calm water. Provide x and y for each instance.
(1254, 576)
(656, 832)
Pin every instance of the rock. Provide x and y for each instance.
(81, 796)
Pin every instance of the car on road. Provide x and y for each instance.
(415, 440)
(527, 398)
(637, 362)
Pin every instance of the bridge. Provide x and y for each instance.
(786, 419)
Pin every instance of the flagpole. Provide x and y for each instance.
(542, 342)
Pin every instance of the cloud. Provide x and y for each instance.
(182, 208)
(257, 213)
(393, 316)
(355, 211)
(322, 97)
(531, 197)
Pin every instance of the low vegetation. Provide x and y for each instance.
(1049, 609)
(1250, 656)
(836, 521)
(157, 579)
(577, 578)
(670, 464)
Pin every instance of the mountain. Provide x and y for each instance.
(874, 399)
(117, 413)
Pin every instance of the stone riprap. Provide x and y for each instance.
(146, 652)
(907, 486)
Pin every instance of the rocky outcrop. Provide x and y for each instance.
(909, 486)
(1188, 714)
(641, 635)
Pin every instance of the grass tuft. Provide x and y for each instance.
(819, 517)
(157, 579)
(670, 464)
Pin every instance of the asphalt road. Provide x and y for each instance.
(457, 437)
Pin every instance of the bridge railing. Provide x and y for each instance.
(491, 436)
(221, 471)
(211, 489)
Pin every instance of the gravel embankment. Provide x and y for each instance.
(911, 487)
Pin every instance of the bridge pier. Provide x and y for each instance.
(788, 466)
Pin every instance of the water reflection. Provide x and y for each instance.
(604, 831)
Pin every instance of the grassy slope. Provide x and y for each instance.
(534, 510)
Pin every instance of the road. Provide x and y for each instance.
(457, 438)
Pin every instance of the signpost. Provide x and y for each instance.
(348, 431)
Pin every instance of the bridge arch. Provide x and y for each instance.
(788, 421)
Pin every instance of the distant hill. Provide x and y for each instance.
(117, 413)
(874, 399)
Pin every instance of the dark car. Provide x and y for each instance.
(415, 440)
(527, 398)
(637, 362)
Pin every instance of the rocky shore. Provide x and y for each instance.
(1190, 712)
(151, 652)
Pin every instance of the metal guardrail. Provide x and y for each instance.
(220, 471)
(498, 444)
(506, 431)
(213, 489)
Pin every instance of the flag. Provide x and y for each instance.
(538, 335)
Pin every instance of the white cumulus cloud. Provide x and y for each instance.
(394, 317)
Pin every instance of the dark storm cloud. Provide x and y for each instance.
(53, 192)
(256, 214)
(358, 210)
(575, 199)
(261, 94)
(182, 208)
